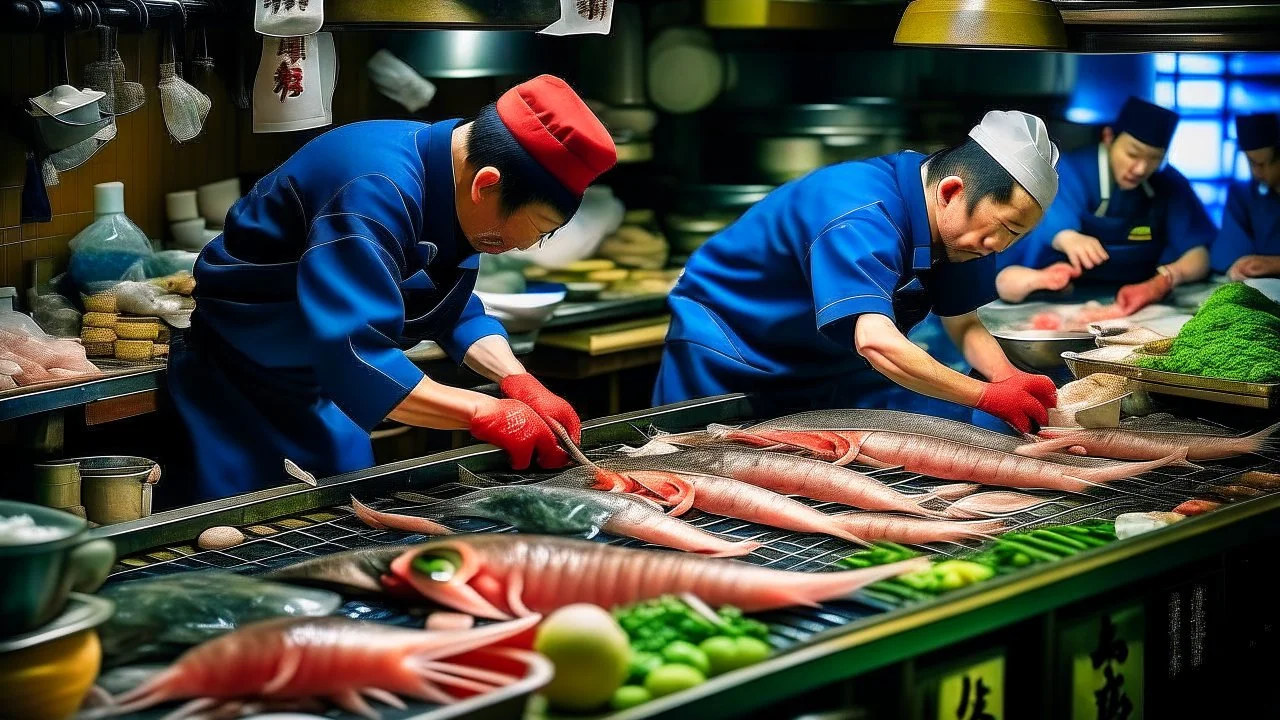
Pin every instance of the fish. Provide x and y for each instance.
(1197, 507)
(512, 575)
(342, 660)
(994, 504)
(568, 511)
(783, 474)
(351, 572)
(731, 498)
(153, 615)
(1123, 444)
(822, 434)
(1259, 480)
(1233, 492)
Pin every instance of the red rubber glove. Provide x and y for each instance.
(549, 406)
(1133, 298)
(516, 428)
(1020, 399)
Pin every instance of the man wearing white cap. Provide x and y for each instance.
(806, 300)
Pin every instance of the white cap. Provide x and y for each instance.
(108, 198)
(1021, 144)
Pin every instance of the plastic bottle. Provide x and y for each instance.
(112, 248)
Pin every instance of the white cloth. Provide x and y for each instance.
(1020, 143)
(394, 78)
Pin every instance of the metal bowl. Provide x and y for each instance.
(1041, 350)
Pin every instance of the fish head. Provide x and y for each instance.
(451, 572)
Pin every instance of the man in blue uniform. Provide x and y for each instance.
(1249, 244)
(360, 245)
(1122, 219)
(806, 299)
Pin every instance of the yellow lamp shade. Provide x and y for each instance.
(991, 24)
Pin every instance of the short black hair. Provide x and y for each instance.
(524, 181)
(982, 175)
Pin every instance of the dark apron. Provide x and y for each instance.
(1134, 257)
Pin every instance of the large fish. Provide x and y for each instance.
(561, 511)
(352, 572)
(1123, 444)
(821, 433)
(506, 575)
(759, 503)
(933, 447)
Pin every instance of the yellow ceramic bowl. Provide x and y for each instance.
(50, 681)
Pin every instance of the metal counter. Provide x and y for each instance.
(816, 646)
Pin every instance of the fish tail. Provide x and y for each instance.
(467, 477)
(394, 521)
(1045, 447)
(954, 491)
(994, 504)
(738, 549)
(865, 576)
(1263, 440)
(1094, 476)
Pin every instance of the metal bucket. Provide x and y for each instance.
(117, 488)
(57, 484)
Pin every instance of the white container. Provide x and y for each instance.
(522, 312)
(181, 205)
(188, 234)
(216, 198)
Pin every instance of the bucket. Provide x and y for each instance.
(117, 488)
(57, 484)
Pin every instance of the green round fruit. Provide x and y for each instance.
(686, 653)
(752, 651)
(629, 696)
(721, 652)
(672, 678)
(590, 653)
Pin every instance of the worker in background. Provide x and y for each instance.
(1123, 219)
(806, 299)
(363, 243)
(1249, 244)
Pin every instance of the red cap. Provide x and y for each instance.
(553, 125)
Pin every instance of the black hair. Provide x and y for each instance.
(982, 175)
(524, 181)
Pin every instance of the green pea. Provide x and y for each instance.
(669, 679)
(686, 653)
(721, 652)
(629, 696)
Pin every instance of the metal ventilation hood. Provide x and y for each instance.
(1101, 26)
(441, 14)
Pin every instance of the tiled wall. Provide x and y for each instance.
(142, 155)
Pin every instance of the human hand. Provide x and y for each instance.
(1020, 399)
(1252, 266)
(1133, 298)
(549, 406)
(1058, 275)
(515, 427)
(1084, 252)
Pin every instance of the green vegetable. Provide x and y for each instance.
(1060, 538)
(1057, 549)
(721, 652)
(752, 651)
(668, 679)
(1031, 552)
(629, 696)
(655, 624)
(882, 553)
(726, 653)
(1235, 335)
(892, 587)
(686, 653)
(642, 663)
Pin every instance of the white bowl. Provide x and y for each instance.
(215, 199)
(181, 205)
(188, 234)
(521, 312)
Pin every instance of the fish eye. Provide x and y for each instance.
(438, 565)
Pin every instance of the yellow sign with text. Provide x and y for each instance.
(1106, 667)
(973, 693)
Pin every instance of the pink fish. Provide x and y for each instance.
(505, 575)
(342, 660)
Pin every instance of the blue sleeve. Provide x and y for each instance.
(1235, 240)
(960, 288)
(1187, 222)
(1036, 249)
(853, 267)
(348, 289)
(472, 325)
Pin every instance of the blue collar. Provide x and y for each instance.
(440, 215)
(911, 186)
